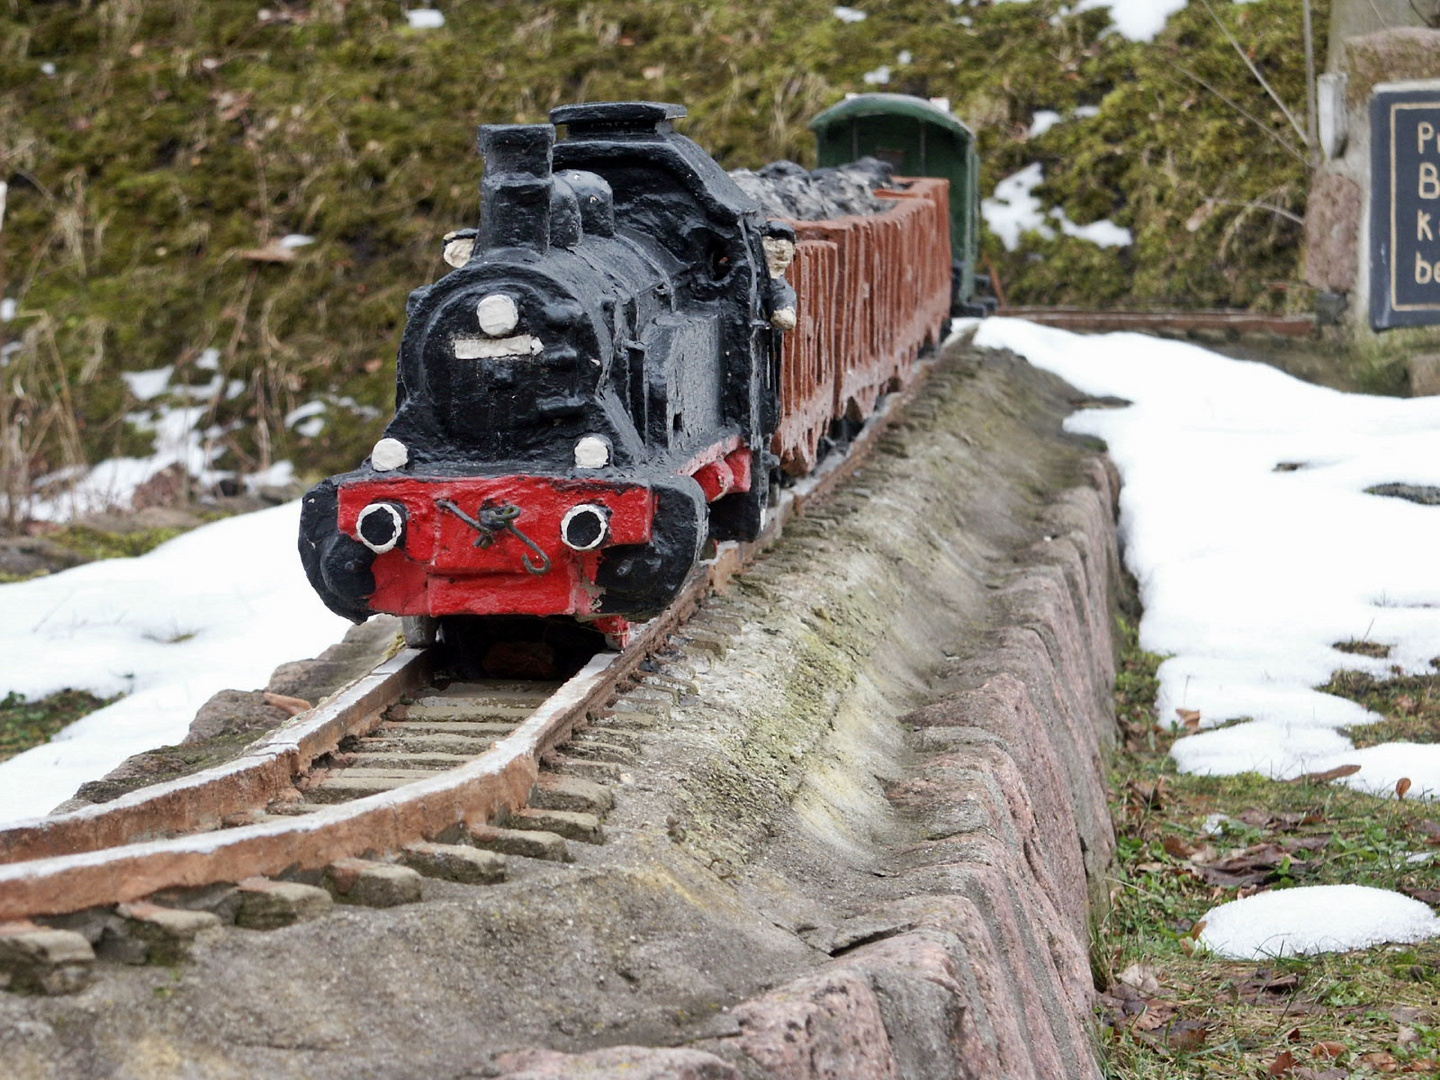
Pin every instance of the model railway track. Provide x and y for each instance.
(1172, 322)
(390, 764)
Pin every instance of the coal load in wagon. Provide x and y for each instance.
(787, 190)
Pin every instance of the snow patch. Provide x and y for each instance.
(1138, 20)
(1014, 209)
(1246, 522)
(1042, 122)
(148, 384)
(1103, 233)
(218, 607)
(1315, 919)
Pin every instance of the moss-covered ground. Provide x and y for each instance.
(155, 152)
(25, 723)
(1170, 1009)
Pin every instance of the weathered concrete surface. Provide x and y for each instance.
(1388, 56)
(1332, 232)
(857, 846)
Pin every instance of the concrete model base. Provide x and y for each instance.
(859, 840)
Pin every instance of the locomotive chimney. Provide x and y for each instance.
(515, 194)
(618, 119)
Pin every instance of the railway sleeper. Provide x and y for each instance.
(357, 783)
(700, 639)
(473, 729)
(278, 809)
(663, 695)
(43, 960)
(405, 760)
(525, 843)
(629, 716)
(555, 792)
(424, 743)
(596, 735)
(601, 748)
(370, 883)
(602, 772)
(462, 709)
(460, 863)
(571, 824)
(167, 934)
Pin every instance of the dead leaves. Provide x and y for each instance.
(1187, 1035)
(1177, 848)
(1154, 796)
(1135, 1004)
(292, 705)
(1281, 821)
(1337, 773)
(1258, 864)
(1265, 984)
(1327, 1053)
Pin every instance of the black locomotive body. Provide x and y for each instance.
(582, 400)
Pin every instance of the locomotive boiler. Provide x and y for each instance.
(582, 401)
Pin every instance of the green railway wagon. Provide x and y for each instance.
(918, 138)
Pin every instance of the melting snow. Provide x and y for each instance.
(1043, 121)
(1246, 522)
(217, 608)
(1015, 210)
(1138, 20)
(1315, 919)
(148, 384)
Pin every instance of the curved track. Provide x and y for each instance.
(361, 772)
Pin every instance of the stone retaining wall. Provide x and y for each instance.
(979, 966)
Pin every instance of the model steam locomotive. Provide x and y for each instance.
(614, 372)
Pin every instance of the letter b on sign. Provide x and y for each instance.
(1429, 180)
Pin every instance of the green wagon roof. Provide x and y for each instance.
(889, 105)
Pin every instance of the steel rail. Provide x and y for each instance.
(1172, 321)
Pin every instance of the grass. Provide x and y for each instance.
(25, 723)
(92, 543)
(152, 147)
(1409, 703)
(1169, 1009)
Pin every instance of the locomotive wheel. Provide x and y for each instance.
(515, 646)
(420, 631)
(742, 515)
(640, 580)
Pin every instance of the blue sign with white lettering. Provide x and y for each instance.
(1405, 208)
